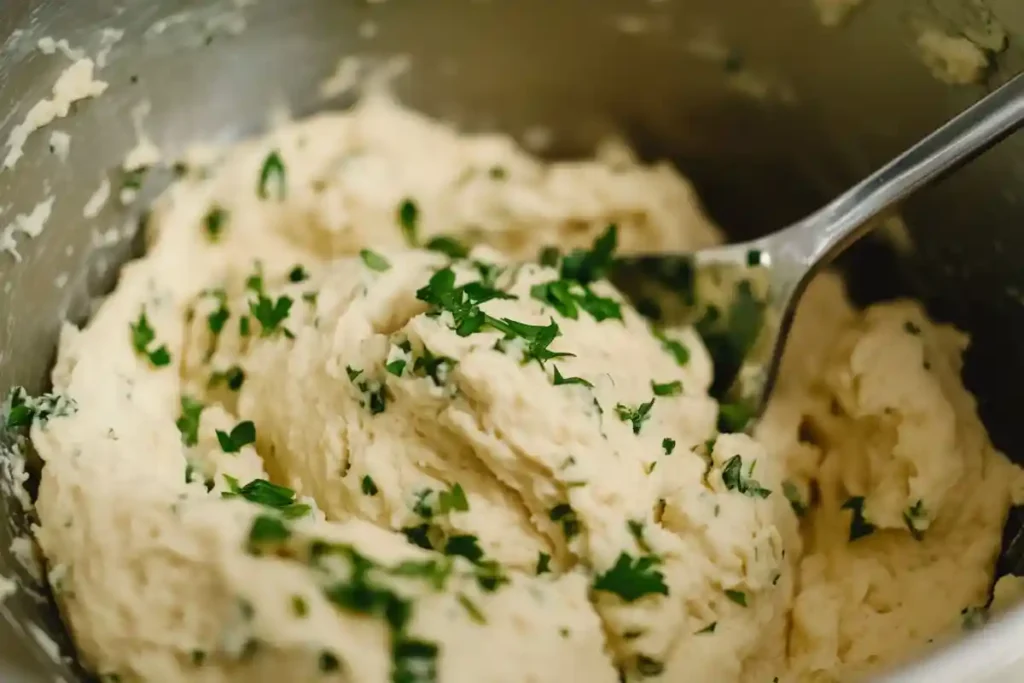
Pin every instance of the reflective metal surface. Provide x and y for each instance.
(770, 112)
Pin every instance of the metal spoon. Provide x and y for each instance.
(766, 277)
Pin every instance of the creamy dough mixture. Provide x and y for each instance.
(485, 471)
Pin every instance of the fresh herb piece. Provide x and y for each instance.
(792, 494)
(408, 220)
(912, 515)
(298, 274)
(559, 380)
(369, 486)
(710, 628)
(214, 221)
(497, 172)
(272, 172)
(739, 597)
(414, 661)
(374, 261)
(735, 417)
(667, 389)
(636, 416)
(449, 246)
(472, 610)
(632, 579)
(143, 340)
(263, 492)
(549, 256)
(329, 662)
(859, 526)
(543, 564)
(233, 378)
(437, 368)
(668, 445)
(599, 307)
(538, 338)
(735, 480)
(268, 530)
(567, 296)
(566, 517)
(353, 373)
(300, 607)
(188, 421)
(680, 353)
(396, 367)
(587, 266)
(133, 178)
(557, 295)
(375, 396)
(24, 409)
(243, 326)
(271, 314)
(198, 657)
(419, 536)
(463, 303)
(912, 328)
(241, 435)
(422, 506)
(464, 545)
(453, 500)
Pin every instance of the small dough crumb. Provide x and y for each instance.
(952, 59)
(31, 225)
(97, 200)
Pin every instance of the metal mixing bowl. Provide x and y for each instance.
(764, 107)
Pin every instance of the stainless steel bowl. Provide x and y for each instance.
(764, 107)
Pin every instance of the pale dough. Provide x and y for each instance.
(555, 484)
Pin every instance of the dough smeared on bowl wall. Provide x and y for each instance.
(339, 421)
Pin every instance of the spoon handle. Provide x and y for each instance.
(827, 232)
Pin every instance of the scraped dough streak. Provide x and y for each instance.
(870, 405)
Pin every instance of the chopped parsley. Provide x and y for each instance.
(735, 480)
(133, 178)
(369, 486)
(143, 341)
(233, 378)
(792, 494)
(263, 492)
(188, 421)
(668, 445)
(564, 515)
(214, 221)
(632, 579)
(298, 274)
(272, 173)
(396, 367)
(267, 530)
(241, 435)
(667, 389)
(559, 380)
(735, 417)
(374, 261)
(471, 609)
(449, 246)
(680, 353)
(543, 564)
(710, 628)
(636, 416)
(271, 313)
(299, 606)
(463, 303)
(414, 661)
(453, 500)
(408, 220)
(422, 506)
(538, 338)
(912, 515)
(587, 266)
(911, 328)
(567, 297)
(739, 597)
(489, 574)
(25, 409)
(859, 526)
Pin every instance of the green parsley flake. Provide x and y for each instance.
(267, 530)
(463, 303)
(133, 179)
(300, 607)
(271, 314)
(859, 526)
(543, 564)
(735, 417)
(453, 500)
(24, 409)
(369, 486)
(739, 597)
(396, 367)
(298, 274)
(632, 579)
(559, 380)
(143, 339)
(219, 317)
(263, 492)
(272, 173)
(188, 422)
(374, 261)
(710, 628)
(243, 434)
(667, 389)
(549, 256)
(735, 480)
(233, 378)
(668, 445)
(215, 221)
(566, 516)
(585, 266)
(449, 246)
(792, 494)
(636, 416)
(329, 662)
(567, 296)
(680, 353)
(472, 610)
(408, 220)
(414, 661)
